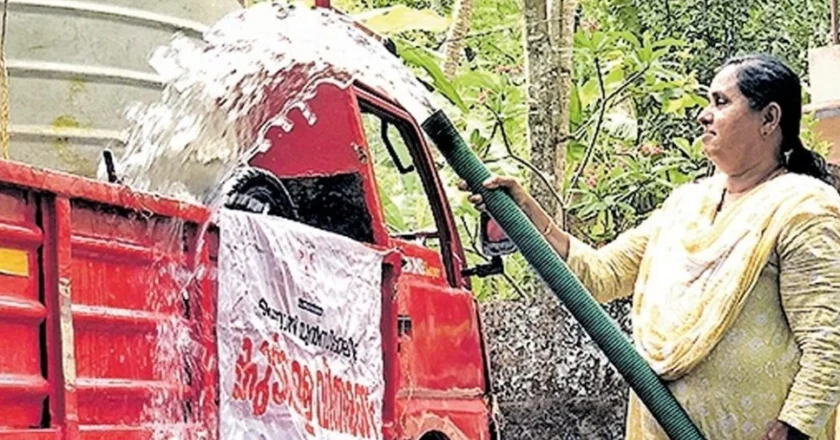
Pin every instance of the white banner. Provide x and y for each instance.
(300, 347)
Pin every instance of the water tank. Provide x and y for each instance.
(75, 65)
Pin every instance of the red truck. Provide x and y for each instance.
(83, 290)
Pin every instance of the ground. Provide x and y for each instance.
(550, 380)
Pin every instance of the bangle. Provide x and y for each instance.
(547, 228)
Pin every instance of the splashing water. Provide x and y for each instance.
(222, 94)
(173, 408)
(250, 70)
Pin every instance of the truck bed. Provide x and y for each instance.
(103, 332)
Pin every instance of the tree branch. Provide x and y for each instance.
(515, 286)
(626, 84)
(582, 129)
(602, 109)
(491, 31)
(490, 141)
(507, 55)
(598, 123)
(472, 236)
(523, 162)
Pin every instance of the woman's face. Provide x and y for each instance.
(732, 137)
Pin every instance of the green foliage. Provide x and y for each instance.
(715, 30)
(422, 58)
(489, 108)
(402, 196)
(679, 44)
(630, 165)
(622, 163)
(401, 18)
(637, 87)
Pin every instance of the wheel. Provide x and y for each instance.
(257, 191)
(434, 435)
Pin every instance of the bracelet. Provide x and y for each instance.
(547, 228)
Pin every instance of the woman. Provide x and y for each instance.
(736, 278)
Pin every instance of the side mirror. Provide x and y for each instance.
(494, 244)
(494, 241)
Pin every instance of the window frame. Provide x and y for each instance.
(450, 246)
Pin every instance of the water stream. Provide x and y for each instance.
(250, 70)
(221, 96)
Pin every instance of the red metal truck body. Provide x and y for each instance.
(89, 271)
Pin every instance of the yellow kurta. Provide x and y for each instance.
(780, 360)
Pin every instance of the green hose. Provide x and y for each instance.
(536, 250)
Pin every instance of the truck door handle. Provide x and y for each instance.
(403, 325)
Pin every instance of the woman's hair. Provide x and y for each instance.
(763, 79)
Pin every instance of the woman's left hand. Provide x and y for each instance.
(781, 431)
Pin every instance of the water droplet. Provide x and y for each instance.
(285, 124)
(308, 115)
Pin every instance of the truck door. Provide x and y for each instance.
(442, 386)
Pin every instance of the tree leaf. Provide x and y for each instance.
(421, 58)
(589, 92)
(659, 53)
(575, 108)
(582, 40)
(477, 79)
(597, 228)
(678, 177)
(678, 105)
(699, 100)
(476, 139)
(696, 148)
(401, 18)
(575, 151)
(601, 41)
(683, 144)
(630, 38)
(614, 78)
(393, 216)
(668, 42)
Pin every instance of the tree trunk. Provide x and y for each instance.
(549, 28)
(562, 36)
(551, 380)
(455, 38)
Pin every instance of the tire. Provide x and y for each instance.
(434, 436)
(257, 191)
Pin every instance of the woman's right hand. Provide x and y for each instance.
(558, 239)
(509, 184)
